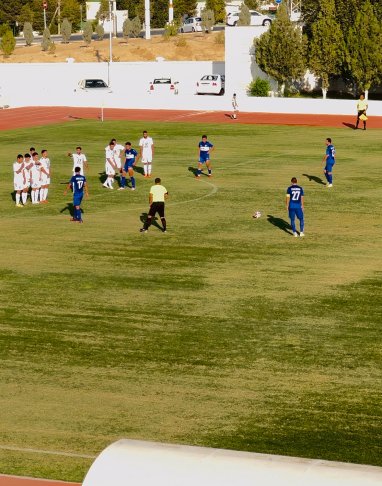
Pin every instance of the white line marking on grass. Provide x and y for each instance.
(41, 451)
(189, 115)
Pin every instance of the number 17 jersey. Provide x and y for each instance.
(77, 182)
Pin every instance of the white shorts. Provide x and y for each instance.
(109, 170)
(45, 181)
(36, 185)
(18, 183)
(147, 159)
(118, 163)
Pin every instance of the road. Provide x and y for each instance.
(77, 36)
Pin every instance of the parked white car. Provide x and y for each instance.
(93, 84)
(256, 18)
(211, 84)
(163, 86)
(192, 24)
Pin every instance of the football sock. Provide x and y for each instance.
(45, 193)
(326, 176)
(209, 171)
(145, 169)
(41, 193)
(123, 181)
(24, 196)
(17, 198)
(199, 172)
(148, 169)
(33, 196)
(164, 223)
(330, 178)
(132, 181)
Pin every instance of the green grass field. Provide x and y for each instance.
(225, 332)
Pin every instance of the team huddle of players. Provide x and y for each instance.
(31, 177)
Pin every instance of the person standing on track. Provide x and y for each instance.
(157, 197)
(235, 107)
(146, 153)
(295, 206)
(362, 106)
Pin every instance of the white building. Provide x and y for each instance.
(118, 16)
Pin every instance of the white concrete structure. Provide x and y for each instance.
(114, 25)
(138, 463)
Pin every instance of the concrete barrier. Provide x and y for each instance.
(139, 463)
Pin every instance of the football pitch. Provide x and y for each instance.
(224, 332)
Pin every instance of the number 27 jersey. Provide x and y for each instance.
(295, 194)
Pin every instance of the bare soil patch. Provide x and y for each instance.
(184, 47)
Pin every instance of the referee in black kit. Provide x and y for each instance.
(157, 197)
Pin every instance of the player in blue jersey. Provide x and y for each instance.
(131, 158)
(204, 149)
(78, 185)
(329, 160)
(295, 206)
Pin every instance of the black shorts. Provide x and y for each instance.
(157, 207)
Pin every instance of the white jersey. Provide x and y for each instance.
(35, 176)
(45, 164)
(79, 161)
(27, 172)
(18, 178)
(109, 155)
(118, 150)
(147, 149)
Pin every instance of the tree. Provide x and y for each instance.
(136, 27)
(26, 15)
(100, 31)
(8, 43)
(66, 31)
(208, 20)
(280, 52)
(159, 13)
(252, 4)
(126, 29)
(70, 9)
(326, 48)
(136, 8)
(28, 33)
(184, 8)
(103, 11)
(46, 40)
(364, 48)
(218, 8)
(87, 32)
(244, 15)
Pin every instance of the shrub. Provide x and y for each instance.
(66, 31)
(8, 43)
(28, 33)
(52, 48)
(208, 20)
(87, 32)
(244, 15)
(220, 37)
(3, 29)
(181, 42)
(259, 87)
(136, 27)
(126, 28)
(100, 31)
(170, 30)
(46, 40)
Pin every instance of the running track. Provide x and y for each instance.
(39, 116)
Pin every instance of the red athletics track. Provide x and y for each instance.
(38, 115)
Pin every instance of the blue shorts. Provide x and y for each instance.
(77, 199)
(204, 159)
(329, 167)
(128, 165)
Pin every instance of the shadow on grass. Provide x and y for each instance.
(316, 179)
(69, 208)
(280, 223)
(154, 220)
(349, 125)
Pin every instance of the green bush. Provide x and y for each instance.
(8, 43)
(259, 87)
(46, 40)
(170, 30)
(3, 29)
(100, 31)
(87, 32)
(66, 31)
(28, 33)
(136, 27)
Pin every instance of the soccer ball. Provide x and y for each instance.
(256, 214)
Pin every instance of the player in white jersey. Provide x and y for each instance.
(35, 178)
(19, 179)
(28, 164)
(110, 166)
(146, 153)
(79, 160)
(118, 153)
(45, 176)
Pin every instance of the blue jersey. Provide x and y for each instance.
(130, 155)
(295, 193)
(204, 150)
(77, 182)
(331, 154)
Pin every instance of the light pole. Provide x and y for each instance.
(147, 20)
(110, 42)
(170, 12)
(44, 6)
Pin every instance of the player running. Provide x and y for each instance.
(78, 184)
(131, 157)
(79, 160)
(295, 206)
(329, 160)
(204, 150)
(146, 153)
(45, 176)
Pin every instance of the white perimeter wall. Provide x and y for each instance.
(55, 84)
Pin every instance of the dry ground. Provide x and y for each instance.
(184, 47)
